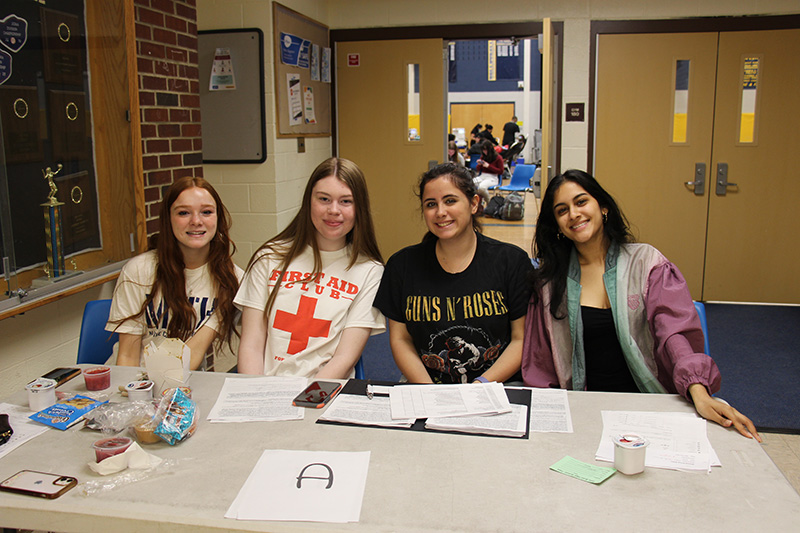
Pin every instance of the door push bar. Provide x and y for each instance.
(722, 179)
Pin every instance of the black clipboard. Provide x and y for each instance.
(358, 387)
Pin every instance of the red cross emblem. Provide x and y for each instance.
(302, 325)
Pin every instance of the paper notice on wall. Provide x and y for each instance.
(295, 99)
(308, 105)
(326, 65)
(314, 62)
(222, 78)
(294, 50)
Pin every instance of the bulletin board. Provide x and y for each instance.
(303, 96)
(232, 111)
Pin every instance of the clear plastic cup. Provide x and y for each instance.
(105, 448)
(97, 377)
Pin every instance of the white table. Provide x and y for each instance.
(418, 481)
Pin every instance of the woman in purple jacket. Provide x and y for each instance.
(608, 314)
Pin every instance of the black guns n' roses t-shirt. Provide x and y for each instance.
(460, 323)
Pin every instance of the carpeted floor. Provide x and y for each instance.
(757, 350)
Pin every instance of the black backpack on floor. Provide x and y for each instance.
(513, 207)
(494, 206)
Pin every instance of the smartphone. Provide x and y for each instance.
(62, 375)
(40, 484)
(317, 394)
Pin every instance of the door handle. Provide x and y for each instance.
(699, 182)
(722, 179)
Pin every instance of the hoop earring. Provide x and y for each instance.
(559, 235)
(605, 217)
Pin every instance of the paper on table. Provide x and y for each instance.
(258, 399)
(357, 409)
(510, 424)
(313, 486)
(24, 428)
(550, 411)
(583, 471)
(678, 441)
(424, 401)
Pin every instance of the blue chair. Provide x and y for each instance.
(473, 161)
(701, 312)
(360, 368)
(520, 179)
(95, 344)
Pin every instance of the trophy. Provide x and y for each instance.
(53, 225)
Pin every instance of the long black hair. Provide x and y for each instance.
(553, 252)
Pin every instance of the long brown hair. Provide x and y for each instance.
(170, 279)
(292, 241)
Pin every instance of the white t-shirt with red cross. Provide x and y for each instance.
(307, 319)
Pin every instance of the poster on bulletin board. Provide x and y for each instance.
(232, 107)
(302, 74)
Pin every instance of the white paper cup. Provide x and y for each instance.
(140, 390)
(629, 453)
(41, 393)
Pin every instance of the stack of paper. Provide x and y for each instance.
(258, 399)
(357, 409)
(678, 441)
(24, 429)
(429, 401)
(510, 424)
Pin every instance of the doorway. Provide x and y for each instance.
(367, 110)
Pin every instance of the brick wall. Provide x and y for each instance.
(166, 46)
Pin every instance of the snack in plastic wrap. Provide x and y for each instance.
(112, 418)
(177, 415)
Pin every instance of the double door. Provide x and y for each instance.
(696, 137)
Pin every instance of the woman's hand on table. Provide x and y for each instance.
(721, 412)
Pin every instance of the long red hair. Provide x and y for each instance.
(170, 280)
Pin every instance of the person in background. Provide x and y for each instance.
(510, 130)
(475, 135)
(608, 314)
(488, 135)
(184, 286)
(307, 294)
(454, 304)
(490, 169)
(454, 155)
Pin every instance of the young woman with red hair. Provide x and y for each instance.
(184, 286)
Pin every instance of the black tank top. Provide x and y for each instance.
(606, 369)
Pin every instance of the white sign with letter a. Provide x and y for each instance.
(303, 485)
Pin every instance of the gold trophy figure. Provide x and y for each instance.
(52, 227)
(49, 175)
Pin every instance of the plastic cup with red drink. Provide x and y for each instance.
(97, 377)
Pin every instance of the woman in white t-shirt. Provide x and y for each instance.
(306, 296)
(184, 286)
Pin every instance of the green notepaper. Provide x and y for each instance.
(583, 471)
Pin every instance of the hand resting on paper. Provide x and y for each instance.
(720, 412)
